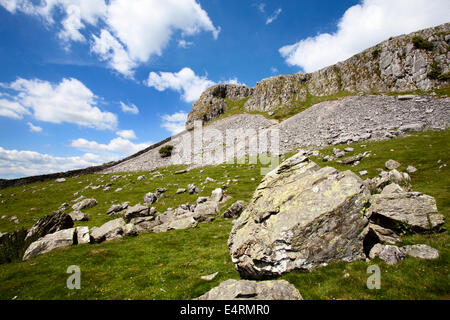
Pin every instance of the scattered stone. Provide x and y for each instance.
(83, 236)
(352, 159)
(78, 216)
(205, 210)
(327, 159)
(60, 180)
(150, 198)
(49, 224)
(392, 188)
(413, 127)
(217, 195)
(349, 149)
(49, 242)
(252, 290)
(406, 97)
(79, 198)
(140, 178)
(209, 277)
(202, 199)
(392, 164)
(181, 171)
(110, 230)
(193, 189)
(84, 204)
(160, 191)
(363, 173)
(392, 254)
(129, 230)
(411, 169)
(145, 224)
(208, 179)
(118, 190)
(181, 190)
(299, 206)
(115, 208)
(136, 211)
(234, 210)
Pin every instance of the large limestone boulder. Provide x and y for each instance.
(414, 209)
(301, 216)
(252, 290)
(50, 223)
(51, 241)
(110, 230)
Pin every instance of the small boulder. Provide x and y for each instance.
(78, 216)
(411, 169)
(217, 195)
(389, 254)
(82, 235)
(234, 210)
(136, 211)
(382, 235)
(205, 210)
(84, 204)
(150, 198)
(392, 188)
(60, 180)
(110, 230)
(252, 290)
(181, 190)
(392, 164)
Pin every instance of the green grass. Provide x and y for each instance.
(169, 265)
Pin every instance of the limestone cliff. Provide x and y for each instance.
(418, 61)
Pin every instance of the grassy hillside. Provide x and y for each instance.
(169, 265)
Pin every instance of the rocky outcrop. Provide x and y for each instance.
(252, 290)
(212, 103)
(396, 64)
(50, 223)
(301, 216)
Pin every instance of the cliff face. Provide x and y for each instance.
(418, 61)
(212, 103)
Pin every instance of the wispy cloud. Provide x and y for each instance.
(34, 128)
(274, 16)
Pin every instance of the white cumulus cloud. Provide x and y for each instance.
(21, 163)
(34, 128)
(69, 101)
(363, 26)
(126, 33)
(185, 81)
(129, 108)
(174, 123)
(118, 147)
(126, 134)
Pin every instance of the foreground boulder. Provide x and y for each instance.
(252, 290)
(110, 230)
(50, 223)
(51, 241)
(78, 216)
(300, 217)
(414, 209)
(206, 210)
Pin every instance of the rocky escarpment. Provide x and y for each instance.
(418, 61)
(212, 102)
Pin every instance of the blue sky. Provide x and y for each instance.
(83, 82)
